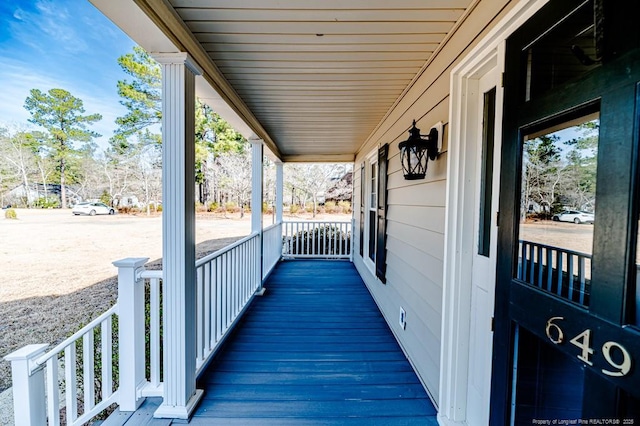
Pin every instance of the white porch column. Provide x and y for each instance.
(257, 153)
(257, 159)
(178, 235)
(279, 191)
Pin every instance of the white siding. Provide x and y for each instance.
(416, 212)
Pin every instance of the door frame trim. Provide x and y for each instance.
(459, 217)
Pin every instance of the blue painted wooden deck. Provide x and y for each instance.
(314, 350)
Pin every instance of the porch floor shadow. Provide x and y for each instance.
(313, 350)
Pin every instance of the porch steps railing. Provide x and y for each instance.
(89, 352)
(227, 280)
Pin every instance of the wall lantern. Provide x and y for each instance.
(416, 151)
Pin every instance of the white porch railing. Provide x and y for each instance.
(88, 352)
(317, 239)
(226, 282)
(272, 248)
(153, 326)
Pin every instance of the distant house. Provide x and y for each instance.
(37, 193)
(341, 189)
(126, 201)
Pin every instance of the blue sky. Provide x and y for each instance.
(65, 44)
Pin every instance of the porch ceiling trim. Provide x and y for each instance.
(165, 17)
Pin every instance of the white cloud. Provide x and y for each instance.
(50, 20)
(65, 44)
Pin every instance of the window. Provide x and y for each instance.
(376, 213)
(373, 207)
(362, 207)
(486, 184)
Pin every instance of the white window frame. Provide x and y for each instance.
(371, 188)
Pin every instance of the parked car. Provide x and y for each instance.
(574, 216)
(92, 209)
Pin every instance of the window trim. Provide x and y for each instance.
(376, 237)
(370, 160)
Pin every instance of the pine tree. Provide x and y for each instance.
(61, 115)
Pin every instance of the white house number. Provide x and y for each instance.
(583, 342)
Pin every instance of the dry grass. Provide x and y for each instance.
(57, 269)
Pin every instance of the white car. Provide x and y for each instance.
(92, 209)
(574, 216)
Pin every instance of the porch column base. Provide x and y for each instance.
(178, 412)
(261, 291)
(446, 421)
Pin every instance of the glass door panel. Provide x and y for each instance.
(557, 206)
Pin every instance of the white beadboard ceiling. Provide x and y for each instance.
(318, 75)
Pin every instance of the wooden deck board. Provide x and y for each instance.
(345, 421)
(314, 350)
(143, 416)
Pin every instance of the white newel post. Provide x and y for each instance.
(130, 331)
(178, 235)
(257, 155)
(279, 191)
(29, 406)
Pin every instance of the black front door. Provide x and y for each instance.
(567, 341)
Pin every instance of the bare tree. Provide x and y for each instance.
(17, 153)
(312, 180)
(148, 174)
(235, 177)
(118, 170)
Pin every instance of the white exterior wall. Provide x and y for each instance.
(416, 209)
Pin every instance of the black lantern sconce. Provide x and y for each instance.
(416, 151)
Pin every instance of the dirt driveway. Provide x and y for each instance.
(559, 234)
(57, 272)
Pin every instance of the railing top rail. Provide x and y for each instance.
(270, 227)
(75, 336)
(318, 221)
(573, 252)
(222, 251)
(151, 274)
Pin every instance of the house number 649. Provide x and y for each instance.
(583, 342)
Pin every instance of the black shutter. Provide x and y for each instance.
(362, 191)
(381, 244)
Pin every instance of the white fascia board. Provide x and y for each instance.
(126, 15)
